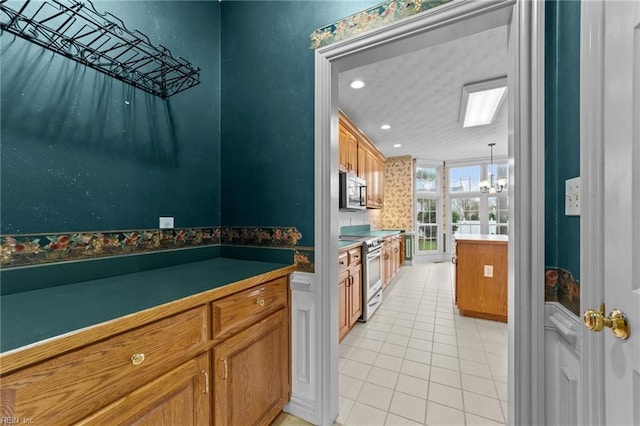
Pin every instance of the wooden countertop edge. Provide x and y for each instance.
(25, 356)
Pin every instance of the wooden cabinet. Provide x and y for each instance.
(359, 155)
(181, 396)
(481, 276)
(390, 258)
(72, 386)
(229, 346)
(252, 373)
(349, 289)
(403, 248)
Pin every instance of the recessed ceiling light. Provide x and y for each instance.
(357, 84)
(397, 145)
(385, 127)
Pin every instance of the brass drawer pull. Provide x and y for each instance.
(260, 302)
(225, 371)
(206, 381)
(137, 359)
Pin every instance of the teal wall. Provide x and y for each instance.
(268, 110)
(76, 157)
(562, 130)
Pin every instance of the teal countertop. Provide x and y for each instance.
(32, 316)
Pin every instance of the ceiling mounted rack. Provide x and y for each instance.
(76, 30)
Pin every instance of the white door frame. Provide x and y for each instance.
(526, 126)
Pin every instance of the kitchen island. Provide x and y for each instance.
(481, 276)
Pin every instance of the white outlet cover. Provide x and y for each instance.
(572, 197)
(488, 271)
(166, 222)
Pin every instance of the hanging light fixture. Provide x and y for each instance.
(490, 186)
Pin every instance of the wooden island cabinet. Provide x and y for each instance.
(481, 276)
(220, 357)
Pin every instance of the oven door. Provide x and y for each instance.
(373, 273)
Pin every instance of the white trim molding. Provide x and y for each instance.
(526, 152)
(304, 348)
(592, 217)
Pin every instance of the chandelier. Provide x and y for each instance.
(490, 186)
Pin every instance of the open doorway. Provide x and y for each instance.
(525, 152)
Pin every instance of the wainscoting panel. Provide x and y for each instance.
(563, 337)
(304, 348)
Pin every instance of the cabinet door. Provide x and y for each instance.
(181, 396)
(362, 161)
(343, 304)
(343, 148)
(251, 372)
(355, 295)
(353, 153)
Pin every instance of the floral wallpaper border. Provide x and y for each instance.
(374, 17)
(35, 249)
(560, 286)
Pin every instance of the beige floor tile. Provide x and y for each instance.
(445, 361)
(445, 395)
(415, 369)
(408, 406)
(379, 326)
(375, 396)
(479, 385)
(376, 335)
(422, 334)
(420, 344)
(444, 349)
(363, 355)
(445, 338)
(351, 339)
(483, 406)
(383, 377)
(370, 344)
(473, 420)
(394, 420)
(499, 374)
(349, 387)
(503, 391)
(400, 330)
(412, 386)
(441, 415)
(475, 368)
(356, 369)
(344, 408)
(418, 355)
(388, 362)
(397, 340)
(393, 350)
(365, 415)
(445, 377)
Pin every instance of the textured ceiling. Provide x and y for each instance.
(419, 94)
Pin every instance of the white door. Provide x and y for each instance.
(620, 196)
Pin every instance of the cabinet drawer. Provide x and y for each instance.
(233, 313)
(74, 385)
(355, 256)
(343, 261)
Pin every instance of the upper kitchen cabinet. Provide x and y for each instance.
(357, 154)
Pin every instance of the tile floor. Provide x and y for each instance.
(418, 362)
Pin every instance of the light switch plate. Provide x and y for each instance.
(488, 271)
(166, 222)
(572, 197)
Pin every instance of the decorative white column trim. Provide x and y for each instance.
(305, 374)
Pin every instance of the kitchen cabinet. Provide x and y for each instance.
(165, 365)
(359, 155)
(349, 289)
(481, 276)
(390, 257)
(403, 249)
(181, 396)
(252, 373)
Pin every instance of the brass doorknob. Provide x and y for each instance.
(616, 321)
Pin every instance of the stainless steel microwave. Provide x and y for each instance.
(353, 192)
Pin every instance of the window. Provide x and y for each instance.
(427, 221)
(472, 212)
(427, 213)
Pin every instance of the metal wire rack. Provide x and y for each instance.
(76, 30)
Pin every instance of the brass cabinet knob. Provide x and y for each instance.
(260, 302)
(137, 359)
(616, 321)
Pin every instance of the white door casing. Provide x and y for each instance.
(526, 153)
(610, 234)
